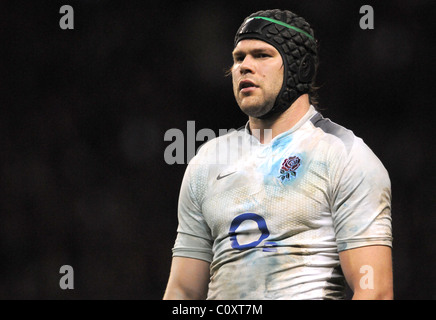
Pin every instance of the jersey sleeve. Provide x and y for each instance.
(193, 234)
(362, 200)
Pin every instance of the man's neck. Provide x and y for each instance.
(280, 123)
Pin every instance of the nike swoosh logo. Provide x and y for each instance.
(226, 175)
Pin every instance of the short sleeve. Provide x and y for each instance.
(362, 200)
(193, 234)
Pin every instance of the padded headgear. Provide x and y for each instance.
(293, 38)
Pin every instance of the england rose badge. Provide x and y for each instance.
(288, 169)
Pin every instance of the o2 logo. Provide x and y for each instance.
(261, 224)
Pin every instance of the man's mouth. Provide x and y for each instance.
(246, 86)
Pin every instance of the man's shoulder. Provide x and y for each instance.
(334, 133)
(344, 146)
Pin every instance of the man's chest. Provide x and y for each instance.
(280, 196)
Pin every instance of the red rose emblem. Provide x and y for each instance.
(289, 168)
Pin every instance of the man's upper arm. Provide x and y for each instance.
(362, 200)
(194, 239)
(368, 271)
(192, 251)
(362, 219)
(189, 279)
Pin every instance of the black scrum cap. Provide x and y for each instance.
(294, 39)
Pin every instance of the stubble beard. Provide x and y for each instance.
(255, 106)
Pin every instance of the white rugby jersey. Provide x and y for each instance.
(271, 218)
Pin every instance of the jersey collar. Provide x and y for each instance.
(309, 114)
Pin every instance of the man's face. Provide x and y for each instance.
(257, 75)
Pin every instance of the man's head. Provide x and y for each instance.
(275, 59)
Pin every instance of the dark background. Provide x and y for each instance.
(83, 115)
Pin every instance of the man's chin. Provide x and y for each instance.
(254, 111)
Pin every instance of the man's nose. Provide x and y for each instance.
(247, 66)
